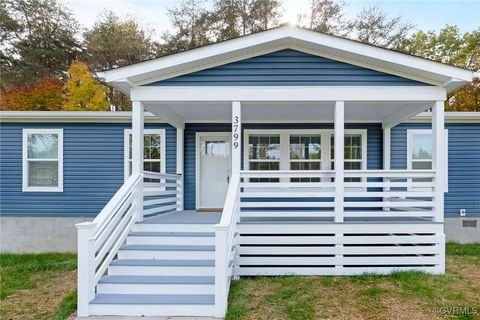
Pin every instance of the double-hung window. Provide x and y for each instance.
(354, 154)
(420, 152)
(264, 154)
(153, 151)
(42, 160)
(305, 154)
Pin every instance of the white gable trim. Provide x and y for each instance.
(290, 37)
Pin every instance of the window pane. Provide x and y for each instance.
(43, 173)
(352, 165)
(153, 166)
(151, 146)
(305, 147)
(43, 146)
(264, 166)
(421, 165)
(264, 147)
(305, 166)
(422, 146)
(352, 148)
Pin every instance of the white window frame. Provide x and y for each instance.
(410, 134)
(363, 161)
(126, 147)
(285, 145)
(25, 160)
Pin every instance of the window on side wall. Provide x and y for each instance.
(420, 152)
(42, 163)
(153, 151)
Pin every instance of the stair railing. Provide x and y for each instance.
(225, 246)
(100, 239)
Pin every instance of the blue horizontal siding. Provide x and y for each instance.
(287, 68)
(463, 164)
(374, 147)
(93, 169)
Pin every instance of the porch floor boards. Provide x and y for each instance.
(194, 217)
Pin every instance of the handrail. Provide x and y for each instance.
(225, 245)
(100, 239)
(158, 175)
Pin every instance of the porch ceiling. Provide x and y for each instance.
(288, 111)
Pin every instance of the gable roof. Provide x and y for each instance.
(287, 37)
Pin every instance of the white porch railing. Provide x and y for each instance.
(162, 193)
(225, 246)
(100, 240)
(366, 194)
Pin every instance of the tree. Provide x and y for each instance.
(234, 18)
(451, 47)
(38, 41)
(374, 27)
(83, 92)
(192, 27)
(326, 16)
(46, 95)
(114, 42)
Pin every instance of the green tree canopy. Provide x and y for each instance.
(38, 41)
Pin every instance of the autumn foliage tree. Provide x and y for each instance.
(83, 91)
(46, 95)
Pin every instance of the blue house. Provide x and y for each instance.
(229, 166)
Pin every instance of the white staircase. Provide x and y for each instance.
(163, 269)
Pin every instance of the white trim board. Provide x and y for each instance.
(288, 93)
(126, 117)
(25, 160)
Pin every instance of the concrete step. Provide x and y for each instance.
(156, 285)
(172, 238)
(153, 304)
(162, 267)
(137, 251)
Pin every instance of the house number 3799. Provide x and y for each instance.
(236, 135)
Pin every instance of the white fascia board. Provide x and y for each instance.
(284, 37)
(287, 93)
(73, 116)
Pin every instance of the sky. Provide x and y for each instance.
(425, 14)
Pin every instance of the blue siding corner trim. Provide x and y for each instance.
(93, 169)
(287, 68)
(463, 164)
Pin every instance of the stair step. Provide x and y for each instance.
(159, 279)
(173, 227)
(154, 251)
(168, 299)
(162, 267)
(156, 247)
(171, 238)
(161, 262)
(156, 285)
(171, 234)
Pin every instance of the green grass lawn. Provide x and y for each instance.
(37, 286)
(402, 295)
(42, 286)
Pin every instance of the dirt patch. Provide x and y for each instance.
(40, 302)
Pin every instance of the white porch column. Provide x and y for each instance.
(339, 158)
(236, 137)
(137, 155)
(386, 148)
(180, 157)
(438, 157)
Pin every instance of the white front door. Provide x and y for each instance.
(213, 169)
